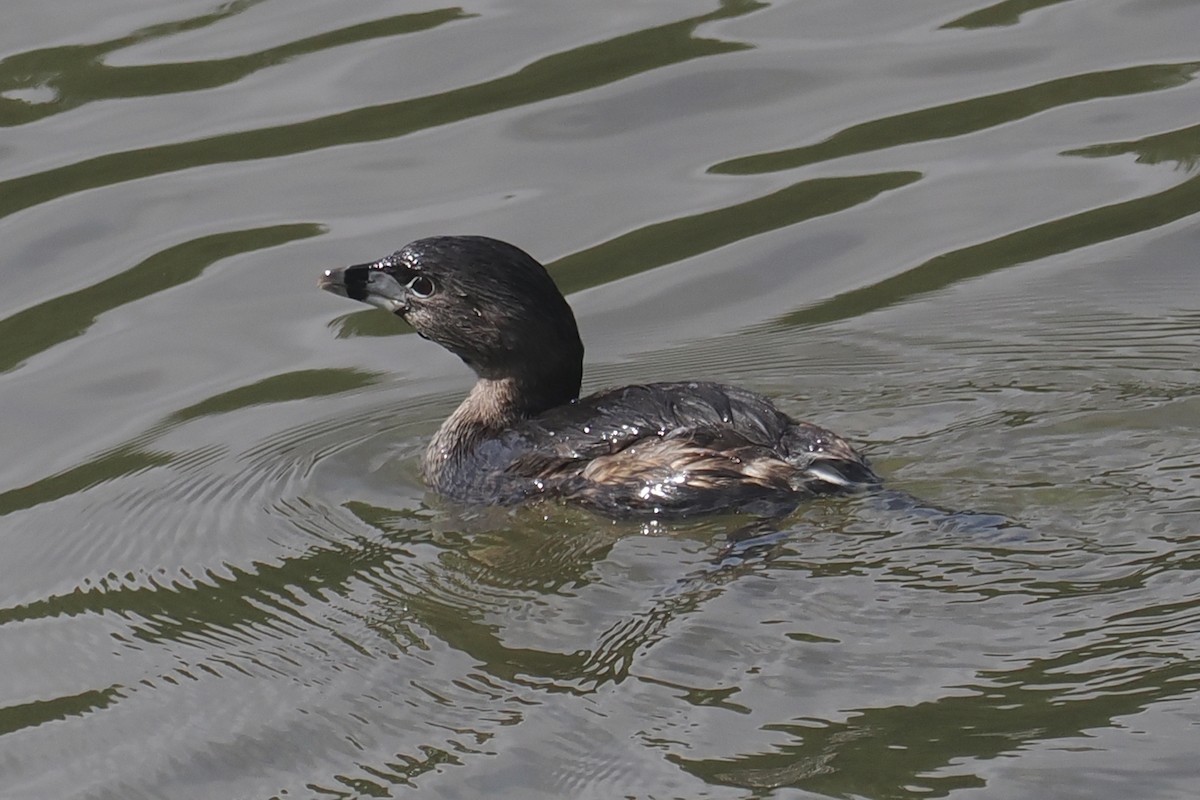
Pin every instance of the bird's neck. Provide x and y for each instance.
(492, 406)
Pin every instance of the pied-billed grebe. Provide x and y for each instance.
(523, 432)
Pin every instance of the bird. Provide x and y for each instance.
(523, 433)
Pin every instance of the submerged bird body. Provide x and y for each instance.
(522, 432)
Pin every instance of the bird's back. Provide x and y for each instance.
(660, 448)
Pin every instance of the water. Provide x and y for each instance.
(963, 236)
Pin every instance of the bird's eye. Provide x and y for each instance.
(421, 286)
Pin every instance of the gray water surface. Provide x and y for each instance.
(963, 235)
